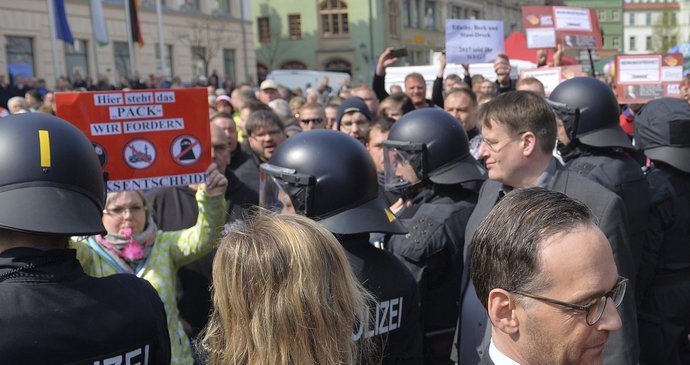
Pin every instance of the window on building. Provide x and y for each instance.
(615, 42)
(264, 28)
(338, 65)
(168, 49)
(615, 15)
(393, 17)
(455, 12)
(474, 14)
(293, 65)
(20, 56)
(631, 19)
(648, 18)
(674, 40)
(334, 17)
(601, 14)
(407, 13)
(674, 18)
(430, 15)
(121, 54)
(225, 7)
(648, 43)
(198, 65)
(229, 64)
(295, 26)
(76, 59)
(191, 5)
(631, 43)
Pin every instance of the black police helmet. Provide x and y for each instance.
(599, 113)
(662, 131)
(345, 192)
(447, 157)
(50, 179)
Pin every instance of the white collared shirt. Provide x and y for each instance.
(498, 357)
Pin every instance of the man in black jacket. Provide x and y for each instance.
(51, 188)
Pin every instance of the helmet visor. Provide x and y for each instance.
(401, 168)
(284, 191)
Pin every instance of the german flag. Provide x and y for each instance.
(134, 22)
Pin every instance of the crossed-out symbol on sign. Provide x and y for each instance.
(139, 153)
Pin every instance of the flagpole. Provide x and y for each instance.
(129, 40)
(53, 39)
(161, 41)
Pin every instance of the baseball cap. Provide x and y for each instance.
(662, 131)
(268, 84)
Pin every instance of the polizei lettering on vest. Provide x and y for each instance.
(153, 125)
(134, 112)
(386, 317)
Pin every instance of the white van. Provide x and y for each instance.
(301, 78)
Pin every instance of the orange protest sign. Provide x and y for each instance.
(146, 138)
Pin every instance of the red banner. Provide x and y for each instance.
(641, 78)
(146, 138)
(573, 28)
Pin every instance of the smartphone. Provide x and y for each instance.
(399, 52)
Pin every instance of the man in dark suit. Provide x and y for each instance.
(519, 134)
(551, 304)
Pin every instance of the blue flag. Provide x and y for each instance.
(61, 25)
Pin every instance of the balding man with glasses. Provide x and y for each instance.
(555, 300)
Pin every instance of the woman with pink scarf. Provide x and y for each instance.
(134, 245)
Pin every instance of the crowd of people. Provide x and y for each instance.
(481, 222)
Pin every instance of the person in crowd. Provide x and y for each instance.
(6, 91)
(243, 116)
(441, 86)
(663, 280)
(303, 307)
(53, 312)
(265, 133)
(312, 116)
(394, 106)
(224, 104)
(134, 245)
(331, 113)
(502, 68)
(597, 148)
(519, 133)
(376, 135)
(330, 177)
(488, 88)
(369, 97)
(461, 103)
(282, 110)
(427, 166)
(268, 91)
(415, 85)
(296, 103)
(34, 100)
(17, 105)
(546, 275)
(531, 84)
(395, 89)
(354, 118)
(476, 82)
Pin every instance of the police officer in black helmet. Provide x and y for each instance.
(598, 148)
(328, 176)
(51, 187)
(427, 155)
(662, 131)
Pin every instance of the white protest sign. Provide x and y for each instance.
(549, 77)
(473, 41)
(674, 73)
(541, 37)
(572, 19)
(642, 69)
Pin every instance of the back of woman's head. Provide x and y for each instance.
(283, 293)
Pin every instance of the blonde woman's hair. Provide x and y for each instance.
(283, 293)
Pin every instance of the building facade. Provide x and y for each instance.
(610, 14)
(652, 25)
(349, 35)
(200, 36)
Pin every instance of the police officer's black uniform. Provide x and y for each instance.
(51, 312)
(599, 150)
(662, 130)
(330, 177)
(436, 217)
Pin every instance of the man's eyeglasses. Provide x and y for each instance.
(491, 145)
(595, 308)
(273, 133)
(311, 121)
(119, 212)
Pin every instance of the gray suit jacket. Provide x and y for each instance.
(609, 210)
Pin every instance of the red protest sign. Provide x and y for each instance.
(573, 28)
(641, 78)
(146, 138)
